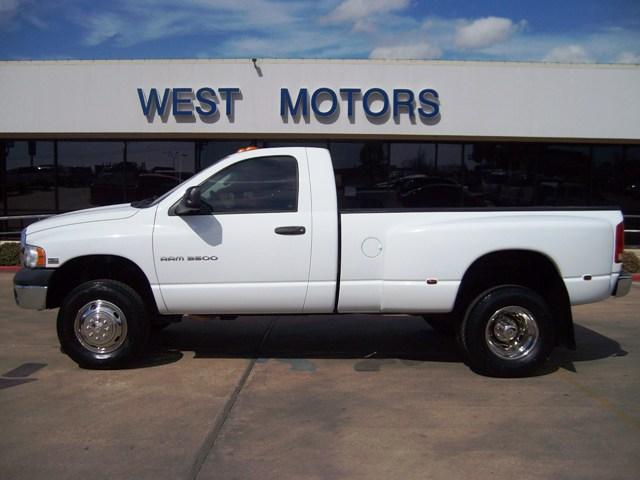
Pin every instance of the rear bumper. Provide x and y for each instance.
(30, 288)
(623, 285)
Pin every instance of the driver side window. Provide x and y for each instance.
(256, 185)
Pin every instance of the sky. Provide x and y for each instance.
(577, 31)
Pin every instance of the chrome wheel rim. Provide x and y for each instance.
(512, 333)
(101, 327)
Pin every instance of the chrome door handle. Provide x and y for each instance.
(290, 230)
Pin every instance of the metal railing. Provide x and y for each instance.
(626, 230)
(7, 222)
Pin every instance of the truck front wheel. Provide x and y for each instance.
(508, 332)
(103, 324)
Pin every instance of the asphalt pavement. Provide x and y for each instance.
(318, 397)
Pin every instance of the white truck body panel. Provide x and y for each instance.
(416, 246)
(385, 258)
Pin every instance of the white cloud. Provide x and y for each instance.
(421, 50)
(102, 28)
(358, 10)
(319, 29)
(628, 57)
(8, 7)
(130, 23)
(8, 10)
(568, 54)
(485, 32)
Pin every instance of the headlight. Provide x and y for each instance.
(33, 257)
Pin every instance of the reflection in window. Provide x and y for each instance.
(154, 168)
(38, 177)
(90, 174)
(376, 175)
(630, 184)
(293, 143)
(500, 174)
(214, 151)
(607, 184)
(362, 174)
(30, 177)
(267, 184)
(563, 176)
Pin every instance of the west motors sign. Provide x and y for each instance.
(302, 105)
(279, 98)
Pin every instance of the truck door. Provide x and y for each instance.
(249, 250)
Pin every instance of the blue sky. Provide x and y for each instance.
(606, 31)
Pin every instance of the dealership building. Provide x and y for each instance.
(402, 134)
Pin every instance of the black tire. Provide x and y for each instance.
(498, 314)
(117, 300)
(443, 324)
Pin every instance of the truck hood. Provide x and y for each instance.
(99, 214)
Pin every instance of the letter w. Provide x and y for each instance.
(153, 105)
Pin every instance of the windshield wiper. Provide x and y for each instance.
(145, 203)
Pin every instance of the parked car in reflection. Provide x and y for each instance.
(441, 192)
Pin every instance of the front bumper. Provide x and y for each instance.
(623, 285)
(30, 288)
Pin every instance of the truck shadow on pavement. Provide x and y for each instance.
(374, 341)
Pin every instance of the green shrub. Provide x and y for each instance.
(630, 262)
(10, 253)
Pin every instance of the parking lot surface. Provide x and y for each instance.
(319, 397)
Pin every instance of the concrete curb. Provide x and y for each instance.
(9, 268)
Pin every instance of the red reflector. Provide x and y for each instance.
(619, 243)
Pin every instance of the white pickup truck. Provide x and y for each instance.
(260, 232)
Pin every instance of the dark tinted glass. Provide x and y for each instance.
(30, 177)
(266, 184)
(629, 172)
(41, 177)
(154, 168)
(607, 185)
(394, 176)
(90, 174)
(293, 143)
(563, 176)
(499, 175)
(362, 174)
(214, 151)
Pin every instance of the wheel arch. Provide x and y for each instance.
(92, 267)
(528, 268)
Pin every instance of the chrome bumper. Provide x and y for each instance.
(28, 296)
(623, 285)
(30, 287)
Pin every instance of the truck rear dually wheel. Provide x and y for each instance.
(508, 332)
(103, 324)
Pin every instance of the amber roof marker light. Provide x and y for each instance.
(246, 149)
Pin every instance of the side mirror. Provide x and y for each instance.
(190, 203)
